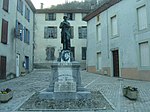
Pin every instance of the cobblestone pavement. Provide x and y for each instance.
(24, 87)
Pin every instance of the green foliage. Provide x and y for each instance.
(73, 5)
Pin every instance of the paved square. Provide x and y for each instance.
(111, 88)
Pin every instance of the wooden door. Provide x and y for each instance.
(2, 67)
(115, 63)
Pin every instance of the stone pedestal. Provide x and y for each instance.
(66, 81)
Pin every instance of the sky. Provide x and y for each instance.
(48, 3)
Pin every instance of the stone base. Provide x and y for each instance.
(64, 95)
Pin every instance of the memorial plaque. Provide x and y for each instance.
(65, 86)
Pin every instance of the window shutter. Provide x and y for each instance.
(21, 7)
(54, 16)
(80, 32)
(28, 15)
(18, 4)
(3, 61)
(142, 17)
(114, 26)
(24, 34)
(25, 12)
(45, 32)
(28, 37)
(16, 29)
(21, 35)
(4, 31)
(46, 16)
(55, 32)
(144, 54)
(5, 5)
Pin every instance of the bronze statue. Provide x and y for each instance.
(65, 33)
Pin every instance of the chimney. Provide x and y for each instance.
(42, 5)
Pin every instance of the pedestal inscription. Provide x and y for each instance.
(65, 86)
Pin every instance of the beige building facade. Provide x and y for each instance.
(16, 42)
(119, 39)
(48, 35)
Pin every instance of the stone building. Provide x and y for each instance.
(16, 42)
(119, 39)
(48, 35)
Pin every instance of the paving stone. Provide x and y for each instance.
(110, 87)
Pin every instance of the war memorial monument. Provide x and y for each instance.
(66, 81)
(65, 91)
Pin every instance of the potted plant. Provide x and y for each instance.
(130, 92)
(6, 95)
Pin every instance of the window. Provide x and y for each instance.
(26, 35)
(144, 54)
(73, 51)
(50, 16)
(99, 61)
(99, 32)
(50, 53)
(142, 17)
(20, 6)
(4, 32)
(82, 32)
(6, 5)
(72, 32)
(71, 16)
(19, 30)
(27, 13)
(3, 62)
(50, 32)
(114, 26)
(83, 53)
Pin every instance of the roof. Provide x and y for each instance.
(100, 9)
(31, 5)
(61, 11)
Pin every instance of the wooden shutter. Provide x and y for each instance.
(99, 61)
(4, 31)
(45, 32)
(114, 26)
(28, 15)
(21, 7)
(2, 67)
(5, 5)
(99, 33)
(21, 34)
(144, 54)
(80, 32)
(28, 37)
(24, 34)
(142, 17)
(71, 31)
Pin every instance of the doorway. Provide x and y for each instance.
(115, 55)
(17, 65)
